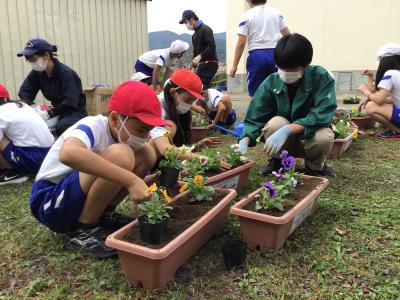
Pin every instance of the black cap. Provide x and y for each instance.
(187, 14)
(35, 45)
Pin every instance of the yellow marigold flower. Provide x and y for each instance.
(152, 188)
(355, 134)
(184, 188)
(166, 196)
(198, 180)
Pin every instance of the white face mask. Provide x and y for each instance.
(134, 141)
(189, 26)
(182, 107)
(290, 77)
(39, 65)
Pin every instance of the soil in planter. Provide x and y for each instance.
(213, 172)
(183, 215)
(301, 191)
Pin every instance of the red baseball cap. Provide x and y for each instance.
(136, 99)
(3, 92)
(189, 81)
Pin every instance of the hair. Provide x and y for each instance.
(52, 53)
(255, 2)
(7, 100)
(385, 64)
(183, 122)
(293, 50)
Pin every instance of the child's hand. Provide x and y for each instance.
(138, 191)
(368, 73)
(225, 166)
(211, 142)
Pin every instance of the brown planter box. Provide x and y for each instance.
(340, 146)
(364, 123)
(198, 133)
(153, 268)
(262, 231)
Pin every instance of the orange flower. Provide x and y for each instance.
(184, 188)
(152, 188)
(166, 196)
(198, 180)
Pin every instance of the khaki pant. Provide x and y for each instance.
(314, 150)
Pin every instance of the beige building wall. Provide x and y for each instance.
(99, 39)
(345, 34)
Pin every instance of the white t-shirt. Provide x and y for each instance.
(92, 131)
(23, 126)
(262, 25)
(391, 82)
(158, 131)
(213, 98)
(159, 57)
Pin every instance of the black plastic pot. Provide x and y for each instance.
(152, 233)
(169, 177)
(234, 253)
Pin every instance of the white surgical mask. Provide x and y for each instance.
(182, 107)
(39, 65)
(290, 77)
(189, 26)
(134, 141)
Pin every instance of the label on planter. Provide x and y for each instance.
(300, 217)
(231, 183)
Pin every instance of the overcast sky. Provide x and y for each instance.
(166, 14)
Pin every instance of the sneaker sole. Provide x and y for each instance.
(78, 249)
(15, 181)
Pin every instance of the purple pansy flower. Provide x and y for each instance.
(278, 175)
(269, 186)
(284, 154)
(288, 162)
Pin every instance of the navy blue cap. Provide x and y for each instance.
(187, 14)
(35, 45)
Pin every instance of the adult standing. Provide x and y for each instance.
(58, 83)
(261, 27)
(205, 52)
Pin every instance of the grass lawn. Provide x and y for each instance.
(350, 248)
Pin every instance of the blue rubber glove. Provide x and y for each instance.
(244, 145)
(275, 142)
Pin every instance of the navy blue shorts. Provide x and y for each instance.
(58, 206)
(145, 69)
(26, 160)
(260, 64)
(396, 116)
(230, 120)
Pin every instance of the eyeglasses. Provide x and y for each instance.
(31, 59)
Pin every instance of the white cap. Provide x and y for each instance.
(139, 76)
(389, 49)
(178, 47)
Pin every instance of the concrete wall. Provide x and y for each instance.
(345, 34)
(99, 39)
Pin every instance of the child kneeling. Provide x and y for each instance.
(93, 166)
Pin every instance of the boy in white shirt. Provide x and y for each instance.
(24, 140)
(262, 26)
(93, 166)
(151, 62)
(379, 106)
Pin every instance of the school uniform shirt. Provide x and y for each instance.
(159, 131)
(313, 106)
(391, 82)
(213, 98)
(23, 126)
(159, 57)
(262, 25)
(63, 89)
(92, 131)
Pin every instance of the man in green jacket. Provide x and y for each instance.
(293, 109)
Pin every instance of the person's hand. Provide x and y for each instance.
(367, 72)
(138, 191)
(225, 166)
(275, 142)
(44, 115)
(233, 71)
(196, 61)
(211, 126)
(149, 179)
(211, 142)
(362, 104)
(244, 144)
(363, 89)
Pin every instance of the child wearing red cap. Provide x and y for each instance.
(93, 165)
(180, 92)
(24, 140)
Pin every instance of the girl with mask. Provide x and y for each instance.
(93, 165)
(180, 92)
(58, 83)
(293, 108)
